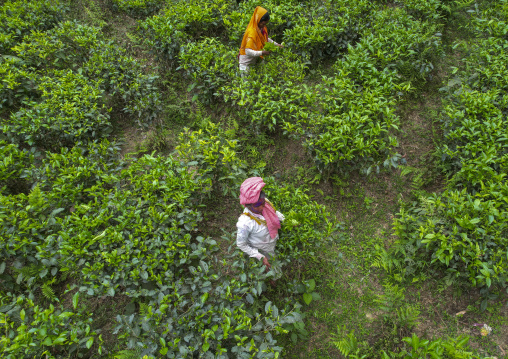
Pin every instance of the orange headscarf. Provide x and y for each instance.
(253, 38)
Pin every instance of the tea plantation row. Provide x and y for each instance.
(463, 231)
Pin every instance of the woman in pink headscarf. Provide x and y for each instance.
(259, 223)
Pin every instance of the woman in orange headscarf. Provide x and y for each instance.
(254, 39)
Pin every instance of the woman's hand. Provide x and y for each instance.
(265, 53)
(279, 45)
(267, 265)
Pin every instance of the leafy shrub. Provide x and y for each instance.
(68, 45)
(70, 174)
(460, 231)
(326, 32)
(19, 18)
(85, 50)
(164, 36)
(180, 23)
(214, 157)
(210, 64)
(81, 79)
(262, 94)
(356, 132)
(138, 8)
(17, 84)
(308, 225)
(433, 10)
(212, 311)
(68, 112)
(396, 39)
(12, 168)
(33, 331)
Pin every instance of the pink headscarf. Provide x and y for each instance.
(249, 193)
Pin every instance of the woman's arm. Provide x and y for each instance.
(242, 242)
(254, 53)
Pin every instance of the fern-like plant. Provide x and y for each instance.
(349, 346)
(48, 292)
(129, 354)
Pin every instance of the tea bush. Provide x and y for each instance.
(354, 128)
(19, 18)
(210, 65)
(396, 39)
(214, 311)
(327, 29)
(180, 23)
(262, 94)
(13, 167)
(164, 36)
(138, 8)
(282, 17)
(433, 10)
(214, 157)
(68, 112)
(308, 226)
(18, 83)
(85, 50)
(82, 80)
(33, 331)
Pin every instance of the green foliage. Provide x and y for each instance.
(397, 40)
(68, 112)
(326, 29)
(212, 157)
(181, 22)
(349, 346)
(164, 37)
(413, 347)
(426, 10)
(12, 168)
(462, 232)
(210, 65)
(458, 231)
(32, 331)
(282, 17)
(82, 81)
(453, 348)
(19, 18)
(396, 311)
(268, 93)
(308, 225)
(17, 83)
(270, 47)
(138, 8)
(86, 51)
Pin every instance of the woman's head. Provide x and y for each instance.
(259, 205)
(264, 20)
(250, 190)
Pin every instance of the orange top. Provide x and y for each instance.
(254, 38)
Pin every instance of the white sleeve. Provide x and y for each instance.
(253, 53)
(273, 42)
(242, 241)
(280, 216)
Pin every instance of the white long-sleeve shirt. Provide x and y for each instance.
(252, 236)
(251, 57)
